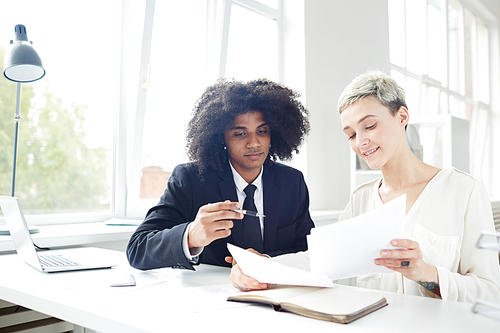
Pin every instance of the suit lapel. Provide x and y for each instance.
(271, 200)
(228, 192)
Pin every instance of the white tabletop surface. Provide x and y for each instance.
(168, 298)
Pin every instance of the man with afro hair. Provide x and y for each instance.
(236, 135)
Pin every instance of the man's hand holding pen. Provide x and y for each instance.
(248, 212)
(213, 221)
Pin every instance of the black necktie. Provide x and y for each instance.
(251, 224)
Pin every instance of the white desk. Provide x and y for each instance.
(167, 299)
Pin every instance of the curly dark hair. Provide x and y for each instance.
(222, 102)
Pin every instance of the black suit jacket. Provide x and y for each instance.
(157, 242)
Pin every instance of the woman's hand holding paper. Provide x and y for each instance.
(408, 261)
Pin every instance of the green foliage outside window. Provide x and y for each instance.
(56, 172)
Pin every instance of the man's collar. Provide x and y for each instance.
(241, 183)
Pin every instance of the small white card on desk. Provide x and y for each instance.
(349, 248)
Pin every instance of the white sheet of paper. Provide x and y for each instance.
(266, 270)
(348, 248)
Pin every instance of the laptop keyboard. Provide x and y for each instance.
(50, 260)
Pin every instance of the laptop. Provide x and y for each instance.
(48, 261)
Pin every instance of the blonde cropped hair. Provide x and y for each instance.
(373, 84)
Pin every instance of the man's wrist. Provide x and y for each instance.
(190, 252)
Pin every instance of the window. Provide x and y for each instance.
(192, 44)
(252, 53)
(443, 67)
(175, 65)
(65, 154)
(103, 130)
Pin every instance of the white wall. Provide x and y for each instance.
(342, 40)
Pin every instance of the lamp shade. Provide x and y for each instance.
(21, 62)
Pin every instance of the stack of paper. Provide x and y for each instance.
(340, 250)
(267, 271)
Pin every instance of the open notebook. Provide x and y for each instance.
(48, 261)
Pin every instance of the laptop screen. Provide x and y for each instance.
(19, 230)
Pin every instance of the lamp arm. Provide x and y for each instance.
(17, 119)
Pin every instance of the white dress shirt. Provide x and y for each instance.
(258, 196)
(446, 221)
(193, 253)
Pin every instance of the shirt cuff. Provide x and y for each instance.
(193, 253)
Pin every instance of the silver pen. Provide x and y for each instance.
(248, 212)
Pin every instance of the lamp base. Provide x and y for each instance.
(4, 231)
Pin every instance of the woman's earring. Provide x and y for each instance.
(224, 146)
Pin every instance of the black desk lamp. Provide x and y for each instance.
(22, 65)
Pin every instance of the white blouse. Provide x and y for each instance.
(446, 221)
